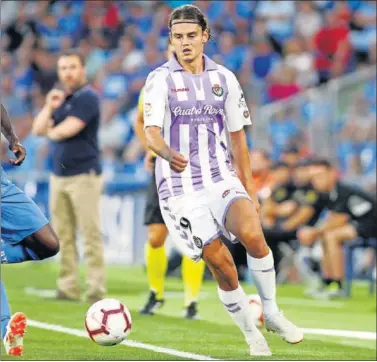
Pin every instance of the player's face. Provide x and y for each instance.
(301, 175)
(188, 41)
(282, 175)
(70, 71)
(323, 178)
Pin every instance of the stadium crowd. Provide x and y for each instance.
(277, 49)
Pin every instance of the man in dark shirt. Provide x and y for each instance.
(351, 214)
(301, 205)
(70, 119)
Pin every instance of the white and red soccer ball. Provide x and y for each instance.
(108, 322)
(255, 304)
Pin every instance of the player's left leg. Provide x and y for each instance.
(219, 260)
(26, 233)
(12, 328)
(242, 220)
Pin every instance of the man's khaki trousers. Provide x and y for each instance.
(75, 205)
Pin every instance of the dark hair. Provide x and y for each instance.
(71, 53)
(279, 164)
(304, 163)
(291, 149)
(322, 162)
(190, 12)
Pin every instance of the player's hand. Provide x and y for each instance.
(177, 162)
(55, 98)
(19, 151)
(148, 162)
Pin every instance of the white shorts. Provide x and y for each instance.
(198, 218)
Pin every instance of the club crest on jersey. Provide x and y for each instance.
(198, 242)
(217, 90)
(148, 108)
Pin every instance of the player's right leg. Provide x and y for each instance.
(26, 233)
(242, 220)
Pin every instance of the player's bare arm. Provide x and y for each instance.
(139, 130)
(157, 144)
(242, 162)
(14, 143)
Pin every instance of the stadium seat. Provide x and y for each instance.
(349, 249)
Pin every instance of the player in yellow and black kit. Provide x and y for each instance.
(155, 255)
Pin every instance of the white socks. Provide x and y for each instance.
(237, 305)
(263, 272)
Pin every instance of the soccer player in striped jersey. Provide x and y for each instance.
(188, 102)
(155, 255)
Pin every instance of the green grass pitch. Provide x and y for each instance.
(213, 335)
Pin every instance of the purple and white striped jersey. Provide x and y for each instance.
(191, 109)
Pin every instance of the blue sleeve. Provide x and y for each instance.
(85, 107)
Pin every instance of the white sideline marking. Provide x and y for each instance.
(341, 333)
(128, 343)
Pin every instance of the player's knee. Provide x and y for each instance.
(50, 241)
(155, 240)
(157, 236)
(53, 247)
(253, 240)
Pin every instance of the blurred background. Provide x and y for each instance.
(308, 70)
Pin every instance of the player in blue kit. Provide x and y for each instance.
(25, 235)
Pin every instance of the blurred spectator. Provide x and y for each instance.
(283, 83)
(363, 35)
(307, 21)
(227, 56)
(20, 29)
(262, 175)
(132, 58)
(50, 35)
(279, 16)
(332, 48)
(44, 66)
(302, 61)
(291, 154)
(14, 105)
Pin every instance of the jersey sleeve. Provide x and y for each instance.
(236, 110)
(155, 96)
(360, 204)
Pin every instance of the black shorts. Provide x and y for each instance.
(152, 214)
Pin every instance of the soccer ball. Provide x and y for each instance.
(108, 322)
(256, 309)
